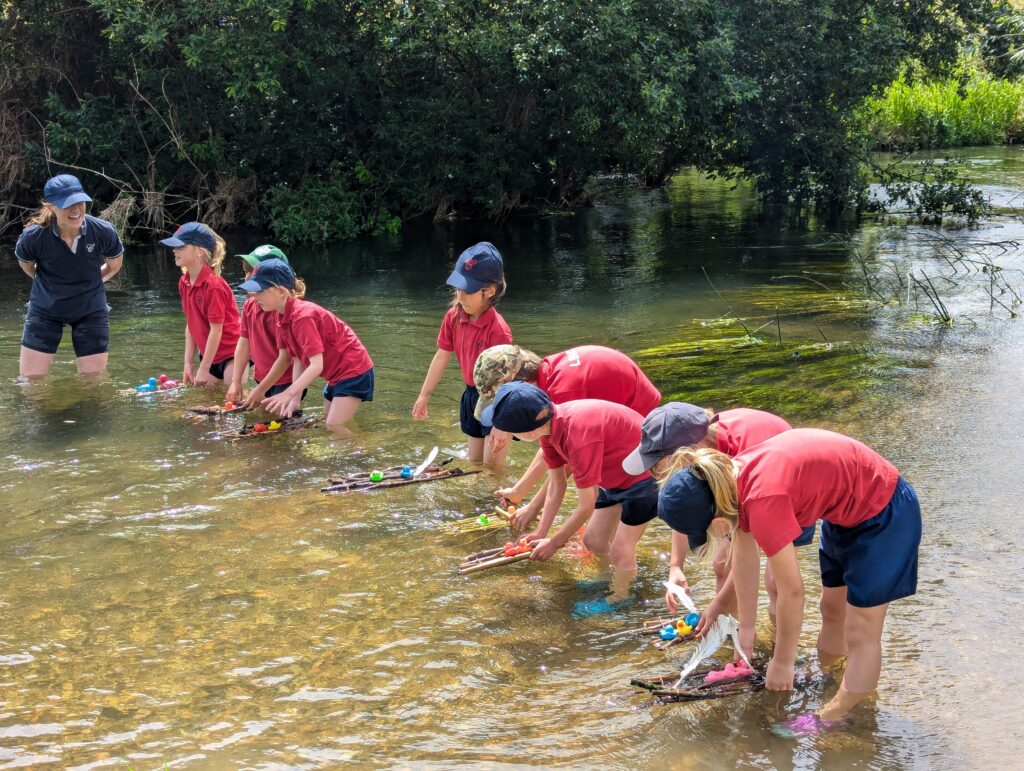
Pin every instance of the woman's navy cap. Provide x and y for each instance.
(195, 233)
(64, 190)
(518, 408)
(687, 506)
(269, 273)
(477, 267)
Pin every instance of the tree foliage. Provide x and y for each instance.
(329, 119)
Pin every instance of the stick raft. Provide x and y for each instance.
(392, 477)
(496, 557)
(693, 688)
(214, 410)
(249, 431)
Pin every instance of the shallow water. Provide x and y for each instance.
(170, 600)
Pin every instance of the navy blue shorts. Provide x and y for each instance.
(469, 424)
(90, 334)
(360, 386)
(639, 501)
(217, 370)
(281, 388)
(805, 538)
(876, 560)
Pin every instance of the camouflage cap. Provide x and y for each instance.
(495, 366)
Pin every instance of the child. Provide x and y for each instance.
(591, 437)
(69, 255)
(470, 325)
(324, 345)
(681, 426)
(211, 315)
(584, 372)
(257, 341)
(870, 535)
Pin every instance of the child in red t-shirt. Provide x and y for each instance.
(590, 437)
(211, 313)
(257, 341)
(470, 325)
(322, 345)
(870, 533)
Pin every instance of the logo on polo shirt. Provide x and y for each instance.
(89, 248)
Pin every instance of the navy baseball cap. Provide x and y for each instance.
(477, 267)
(518, 408)
(269, 273)
(665, 430)
(192, 233)
(64, 190)
(686, 505)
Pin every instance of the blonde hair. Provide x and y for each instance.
(716, 469)
(498, 286)
(45, 216)
(299, 290)
(214, 259)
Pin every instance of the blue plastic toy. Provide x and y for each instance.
(692, 619)
(406, 472)
(668, 633)
(152, 383)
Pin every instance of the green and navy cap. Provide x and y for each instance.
(261, 253)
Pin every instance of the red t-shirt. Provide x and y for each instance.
(259, 327)
(210, 301)
(467, 338)
(592, 437)
(741, 429)
(596, 372)
(792, 480)
(305, 329)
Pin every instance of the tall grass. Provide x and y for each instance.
(977, 109)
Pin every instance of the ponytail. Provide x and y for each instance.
(716, 469)
(45, 216)
(299, 290)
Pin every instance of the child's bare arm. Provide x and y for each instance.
(434, 373)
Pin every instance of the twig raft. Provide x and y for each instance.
(496, 557)
(214, 410)
(429, 474)
(134, 392)
(393, 472)
(498, 519)
(251, 430)
(694, 688)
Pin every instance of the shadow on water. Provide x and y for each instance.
(174, 599)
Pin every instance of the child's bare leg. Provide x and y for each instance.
(623, 558)
(832, 644)
(34, 363)
(92, 365)
(494, 459)
(338, 411)
(476, 448)
(603, 523)
(864, 662)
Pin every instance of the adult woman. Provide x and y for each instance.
(871, 530)
(68, 254)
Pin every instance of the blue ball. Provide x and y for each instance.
(692, 619)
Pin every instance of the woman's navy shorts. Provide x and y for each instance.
(470, 425)
(639, 501)
(90, 334)
(876, 560)
(360, 386)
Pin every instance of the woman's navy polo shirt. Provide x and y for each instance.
(68, 284)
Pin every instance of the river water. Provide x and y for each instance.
(171, 600)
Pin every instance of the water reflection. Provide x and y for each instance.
(170, 599)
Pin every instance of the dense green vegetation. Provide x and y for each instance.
(323, 120)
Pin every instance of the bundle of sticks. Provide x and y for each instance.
(492, 558)
(486, 521)
(133, 392)
(654, 627)
(392, 477)
(214, 410)
(251, 430)
(694, 688)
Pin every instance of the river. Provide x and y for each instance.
(170, 600)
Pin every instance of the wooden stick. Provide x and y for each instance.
(493, 563)
(364, 486)
(290, 424)
(392, 472)
(214, 410)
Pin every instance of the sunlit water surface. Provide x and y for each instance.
(171, 600)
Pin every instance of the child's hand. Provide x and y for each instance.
(204, 378)
(278, 404)
(497, 440)
(779, 677)
(234, 393)
(677, 577)
(544, 549)
(709, 617)
(524, 516)
(419, 409)
(188, 374)
(252, 399)
(509, 495)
